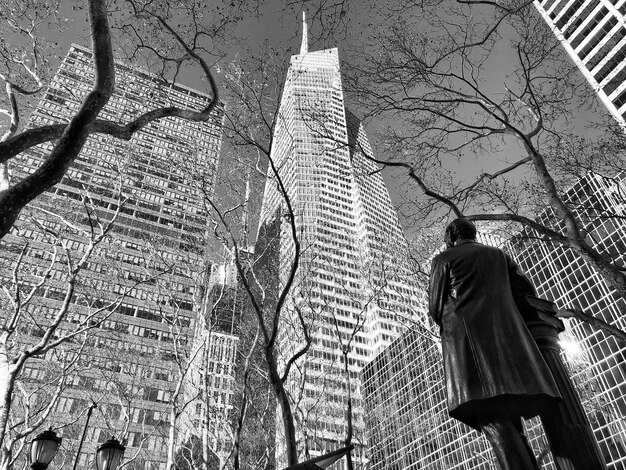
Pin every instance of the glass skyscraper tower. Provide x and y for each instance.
(593, 33)
(353, 285)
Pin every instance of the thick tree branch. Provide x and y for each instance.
(71, 137)
(579, 315)
(71, 142)
(510, 217)
(302, 351)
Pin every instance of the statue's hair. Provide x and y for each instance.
(460, 229)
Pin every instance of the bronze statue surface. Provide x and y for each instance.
(495, 373)
(491, 361)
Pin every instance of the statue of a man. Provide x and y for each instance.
(495, 374)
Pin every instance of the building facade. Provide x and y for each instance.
(405, 398)
(407, 414)
(352, 287)
(593, 32)
(136, 287)
(213, 385)
(596, 359)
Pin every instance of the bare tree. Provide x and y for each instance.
(133, 24)
(165, 37)
(49, 263)
(377, 292)
(298, 303)
(476, 141)
(251, 125)
(268, 311)
(76, 272)
(22, 72)
(39, 393)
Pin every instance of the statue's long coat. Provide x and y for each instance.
(492, 364)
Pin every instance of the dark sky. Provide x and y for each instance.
(279, 26)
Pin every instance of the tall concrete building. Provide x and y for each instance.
(353, 285)
(593, 32)
(137, 288)
(404, 390)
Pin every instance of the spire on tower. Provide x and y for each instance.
(304, 47)
(243, 241)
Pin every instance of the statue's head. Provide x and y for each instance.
(459, 229)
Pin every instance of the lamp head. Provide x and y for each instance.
(109, 455)
(43, 448)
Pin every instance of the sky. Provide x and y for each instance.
(278, 25)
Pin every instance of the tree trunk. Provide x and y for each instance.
(5, 458)
(205, 400)
(613, 276)
(348, 440)
(171, 435)
(7, 384)
(285, 407)
(5, 179)
(594, 322)
(573, 230)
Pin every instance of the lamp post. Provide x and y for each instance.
(323, 461)
(43, 448)
(82, 439)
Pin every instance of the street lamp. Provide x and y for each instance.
(43, 448)
(109, 455)
(323, 461)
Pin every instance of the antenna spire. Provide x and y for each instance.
(244, 215)
(304, 47)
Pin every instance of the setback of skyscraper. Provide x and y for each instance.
(353, 287)
(593, 33)
(136, 290)
(404, 388)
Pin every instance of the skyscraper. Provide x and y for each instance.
(404, 388)
(137, 287)
(210, 383)
(593, 33)
(353, 285)
(406, 417)
(595, 358)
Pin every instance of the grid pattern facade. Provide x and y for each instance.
(407, 419)
(210, 385)
(160, 220)
(596, 360)
(407, 414)
(404, 387)
(353, 286)
(210, 390)
(593, 33)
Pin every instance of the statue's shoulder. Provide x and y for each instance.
(465, 249)
(445, 256)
